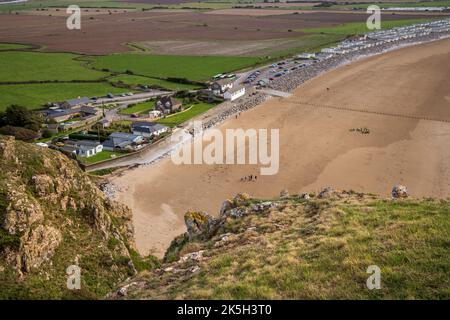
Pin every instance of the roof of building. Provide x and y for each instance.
(123, 135)
(169, 99)
(88, 143)
(147, 127)
(223, 82)
(52, 113)
(78, 101)
(235, 89)
(104, 121)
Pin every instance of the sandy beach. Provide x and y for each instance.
(394, 95)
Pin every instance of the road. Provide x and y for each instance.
(137, 97)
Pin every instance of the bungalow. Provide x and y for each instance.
(61, 115)
(220, 86)
(168, 104)
(234, 93)
(148, 129)
(83, 148)
(121, 141)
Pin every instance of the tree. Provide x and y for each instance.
(18, 116)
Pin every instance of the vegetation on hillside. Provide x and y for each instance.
(299, 248)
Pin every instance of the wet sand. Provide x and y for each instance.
(317, 148)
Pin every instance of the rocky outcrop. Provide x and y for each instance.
(47, 202)
(399, 191)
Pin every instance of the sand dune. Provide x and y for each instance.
(393, 92)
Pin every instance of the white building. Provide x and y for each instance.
(89, 148)
(234, 93)
(153, 114)
(221, 86)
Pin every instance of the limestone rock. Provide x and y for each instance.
(399, 191)
(327, 192)
(43, 184)
(304, 196)
(39, 246)
(240, 199)
(226, 206)
(22, 211)
(284, 194)
(200, 224)
(263, 206)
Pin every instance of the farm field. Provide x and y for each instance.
(357, 28)
(36, 66)
(394, 4)
(104, 33)
(189, 67)
(176, 119)
(33, 96)
(140, 80)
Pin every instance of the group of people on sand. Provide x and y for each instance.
(249, 178)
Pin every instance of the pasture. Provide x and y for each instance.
(21, 66)
(196, 68)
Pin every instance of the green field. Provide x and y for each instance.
(139, 108)
(139, 80)
(33, 96)
(176, 119)
(36, 66)
(358, 27)
(195, 68)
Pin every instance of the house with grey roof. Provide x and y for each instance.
(75, 103)
(122, 141)
(148, 129)
(83, 148)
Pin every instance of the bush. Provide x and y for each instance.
(19, 133)
(46, 134)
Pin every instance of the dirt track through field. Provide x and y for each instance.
(393, 95)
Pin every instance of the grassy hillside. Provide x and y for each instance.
(190, 67)
(320, 248)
